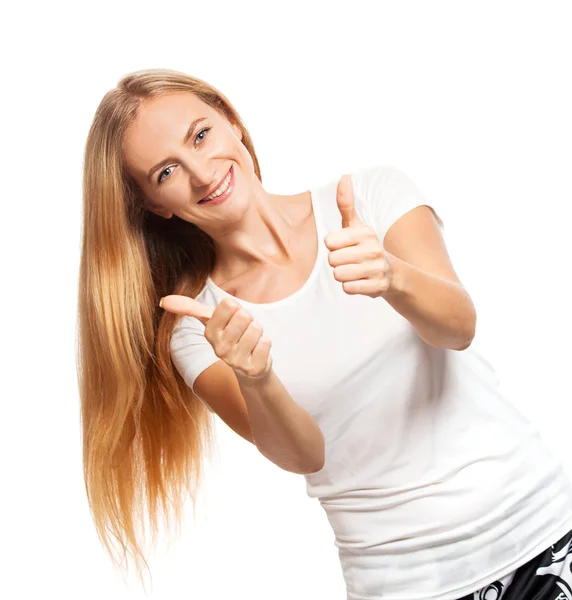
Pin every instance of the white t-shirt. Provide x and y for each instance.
(433, 483)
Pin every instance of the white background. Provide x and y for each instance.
(470, 99)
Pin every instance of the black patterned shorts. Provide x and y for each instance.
(547, 576)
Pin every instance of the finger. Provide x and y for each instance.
(234, 329)
(353, 272)
(250, 338)
(346, 255)
(262, 353)
(345, 200)
(245, 344)
(225, 313)
(342, 238)
(183, 305)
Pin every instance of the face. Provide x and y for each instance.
(175, 174)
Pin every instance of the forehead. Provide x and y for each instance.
(159, 128)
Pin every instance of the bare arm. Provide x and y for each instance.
(283, 431)
(425, 288)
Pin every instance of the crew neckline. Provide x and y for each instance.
(313, 274)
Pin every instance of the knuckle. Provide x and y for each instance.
(209, 335)
(226, 303)
(242, 314)
(255, 325)
(222, 348)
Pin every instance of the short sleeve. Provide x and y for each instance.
(388, 194)
(191, 352)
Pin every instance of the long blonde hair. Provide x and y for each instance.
(144, 433)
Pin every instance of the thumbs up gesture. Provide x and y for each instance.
(233, 334)
(356, 253)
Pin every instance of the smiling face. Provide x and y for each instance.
(176, 167)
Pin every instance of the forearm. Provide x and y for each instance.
(441, 311)
(283, 431)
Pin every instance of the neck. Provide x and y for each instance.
(262, 237)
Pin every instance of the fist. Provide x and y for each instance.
(233, 334)
(357, 255)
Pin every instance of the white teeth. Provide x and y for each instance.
(221, 190)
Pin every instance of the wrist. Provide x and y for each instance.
(395, 275)
(261, 379)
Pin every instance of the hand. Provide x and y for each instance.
(357, 254)
(234, 335)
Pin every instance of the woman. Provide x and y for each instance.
(328, 328)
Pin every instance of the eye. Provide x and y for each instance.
(205, 130)
(160, 178)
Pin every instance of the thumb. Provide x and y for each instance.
(345, 200)
(183, 305)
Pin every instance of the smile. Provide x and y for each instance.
(222, 192)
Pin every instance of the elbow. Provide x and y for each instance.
(467, 340)
(464, 346)
(308, 470)
(316, 463)
(469, 329)
(305, 467)
(316, 466)
(316, 469)
(314, 456)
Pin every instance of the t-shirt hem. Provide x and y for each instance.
(546, 542)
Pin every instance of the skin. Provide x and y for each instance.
(271, 239)
(253, 231)
(258, 236)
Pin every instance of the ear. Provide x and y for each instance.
(237, 130)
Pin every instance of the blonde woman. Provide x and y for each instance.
(328, 328)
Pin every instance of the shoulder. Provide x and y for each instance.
(374, 185)
(376, 188)
(386, 188)
(379, 176)
(186, 331)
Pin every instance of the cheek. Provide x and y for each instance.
(150, 203)
(167, 194)
(159, 205)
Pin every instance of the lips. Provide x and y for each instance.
(216, 187)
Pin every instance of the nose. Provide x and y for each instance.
(202, 171)
(202, 177)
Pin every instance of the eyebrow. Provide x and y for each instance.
(164, 162)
